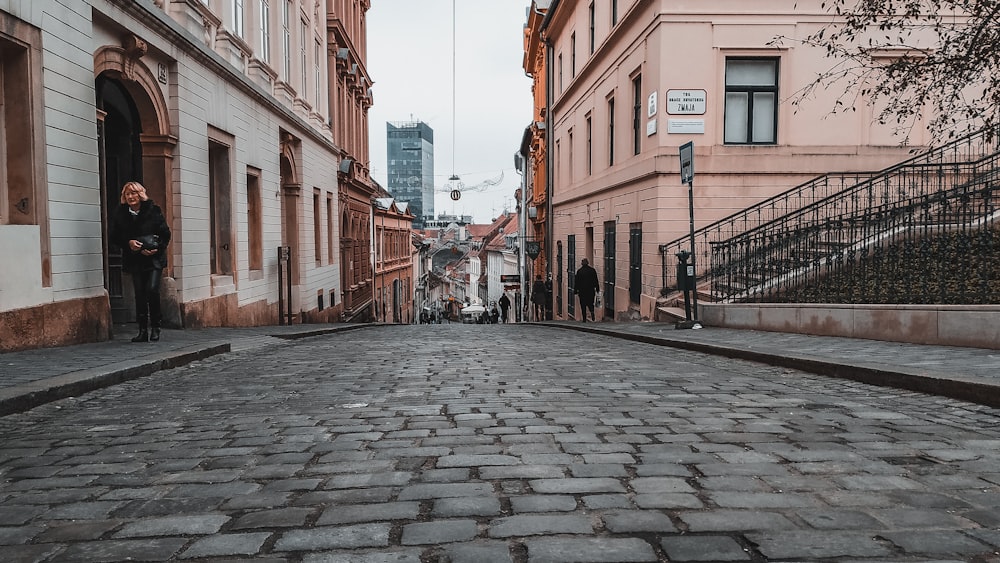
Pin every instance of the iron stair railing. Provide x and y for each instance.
(970, 148)
(880, 242)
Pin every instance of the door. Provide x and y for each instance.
(571, 276)
(121, 159)
(609, 270)
(635, 262)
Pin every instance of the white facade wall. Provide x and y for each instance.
(205, 96)
(71, 167)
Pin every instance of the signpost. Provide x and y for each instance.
(687, 177)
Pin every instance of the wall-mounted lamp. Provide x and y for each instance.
(532, 212)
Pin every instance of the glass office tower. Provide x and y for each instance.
(410, 167)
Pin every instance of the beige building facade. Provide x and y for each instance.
(630, 82)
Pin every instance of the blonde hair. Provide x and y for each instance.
(133, 187)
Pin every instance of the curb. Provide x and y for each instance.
(943, 385)
(27, 396)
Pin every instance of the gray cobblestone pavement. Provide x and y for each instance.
(494, 443)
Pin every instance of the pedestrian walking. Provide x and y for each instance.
(139, 228)
(494, 315)
(586, 286)
(538, 298)
(504, 308)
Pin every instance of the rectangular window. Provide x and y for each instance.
(593, 30)
(23, 199)
(590, 145)
(560, 65)
(303, 56)
(329, 231)
(614, 13)
(569, 142)
(751, 101)
(237, 7)
(317, 228)
(572, 55)
(265, 31)
(611, 131)
(316, 71)
(637, 114)
(286, 40)
(255, 221)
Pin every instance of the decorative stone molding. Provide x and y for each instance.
(135, 49)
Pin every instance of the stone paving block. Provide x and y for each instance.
(589, 550)
(334, 537)
(808, 545)
(637, 521)
(625, 459)
(876, 482)
(396, 453)
(735, 521)
(599, 502)
(492, 473)
(914, 517)
(572, 485)
(77, 530)
(276, 518)
(538, 524)
(15, 515)
(476, 460)
(152, 549)
(649, 485)
(346, 496)
(439, 532)
(444, 490)
(453, 475)
(257, 501)
(12, 535)
(466, 506)
(394, 556)
(192, 524)
(736, 499)
(226, 545)
(598, 470)
(32, 553)
(355, 513)
(704, 548)
(938, 543)
(477, 552)
(748, 469)
(389, 479)
(832, 519)
(543, 503)
(283, 485)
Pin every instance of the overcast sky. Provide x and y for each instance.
(410, 62)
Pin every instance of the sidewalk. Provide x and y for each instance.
(34, 377)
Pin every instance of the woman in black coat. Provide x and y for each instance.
(139, 228)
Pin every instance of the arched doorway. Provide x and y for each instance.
(121, 159)
(134, 143)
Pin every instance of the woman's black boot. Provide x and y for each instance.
(154, 334)
(143, 335)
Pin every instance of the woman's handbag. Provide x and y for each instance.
(149, 242)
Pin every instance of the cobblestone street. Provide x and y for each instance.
(483, 443)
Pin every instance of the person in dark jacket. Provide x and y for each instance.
(504, 308)
(538, 298)
(586, 287)
(139, 228)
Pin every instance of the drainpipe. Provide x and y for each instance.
(549, 174)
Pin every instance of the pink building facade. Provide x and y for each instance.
(631, 81)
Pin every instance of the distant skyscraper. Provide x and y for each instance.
(410, 155)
